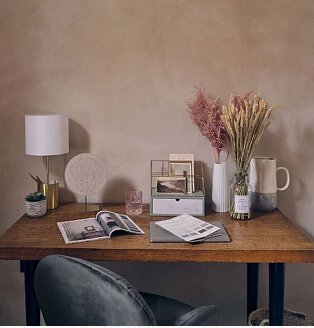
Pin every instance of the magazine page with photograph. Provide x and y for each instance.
(101, 227)
(111, 222)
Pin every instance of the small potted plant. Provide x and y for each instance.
(36, 204)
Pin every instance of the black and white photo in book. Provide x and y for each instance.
(101, 227)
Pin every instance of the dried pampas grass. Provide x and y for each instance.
(205, 112)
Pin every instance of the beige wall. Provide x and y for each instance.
(123, 70)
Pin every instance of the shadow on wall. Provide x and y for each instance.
(115, 188)
(66, 195)
(296, 157)
(79, 143)
(208, 173)
(79, 139)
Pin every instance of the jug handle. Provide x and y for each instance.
(288, 178)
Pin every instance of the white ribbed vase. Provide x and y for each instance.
(220, 194)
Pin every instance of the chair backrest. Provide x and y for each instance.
(72, 291)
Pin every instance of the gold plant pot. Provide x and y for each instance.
(51, 192)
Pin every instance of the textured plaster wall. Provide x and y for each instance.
(123, 70)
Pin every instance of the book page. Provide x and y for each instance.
(187, 227)
(81, 230)
(101, 227)
(111, 222)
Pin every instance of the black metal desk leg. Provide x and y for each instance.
(252, 287)
(276, 293)
(31, 304)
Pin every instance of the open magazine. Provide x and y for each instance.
(101, 227)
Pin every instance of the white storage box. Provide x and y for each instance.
(175, 205)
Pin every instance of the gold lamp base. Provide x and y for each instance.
(51, 192)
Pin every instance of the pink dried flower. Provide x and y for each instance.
(205, 112)
(238, 100)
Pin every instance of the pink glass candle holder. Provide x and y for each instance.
(133, 202)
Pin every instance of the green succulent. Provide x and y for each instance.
(35, 197)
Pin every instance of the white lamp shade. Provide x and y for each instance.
(46, 134)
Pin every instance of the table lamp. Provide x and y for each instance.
(47, 135)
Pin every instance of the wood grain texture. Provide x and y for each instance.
(269, 237)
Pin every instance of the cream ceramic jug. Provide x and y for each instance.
(263, 180)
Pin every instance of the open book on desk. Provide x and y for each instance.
(102, 226)
(186, 228)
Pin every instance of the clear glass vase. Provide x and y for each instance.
(240, 193)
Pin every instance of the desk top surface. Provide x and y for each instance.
(268, 237)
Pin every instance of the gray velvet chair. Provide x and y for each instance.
(72, 292)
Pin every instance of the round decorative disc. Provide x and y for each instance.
(85, 174)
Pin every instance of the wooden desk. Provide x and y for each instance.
(268, 238)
